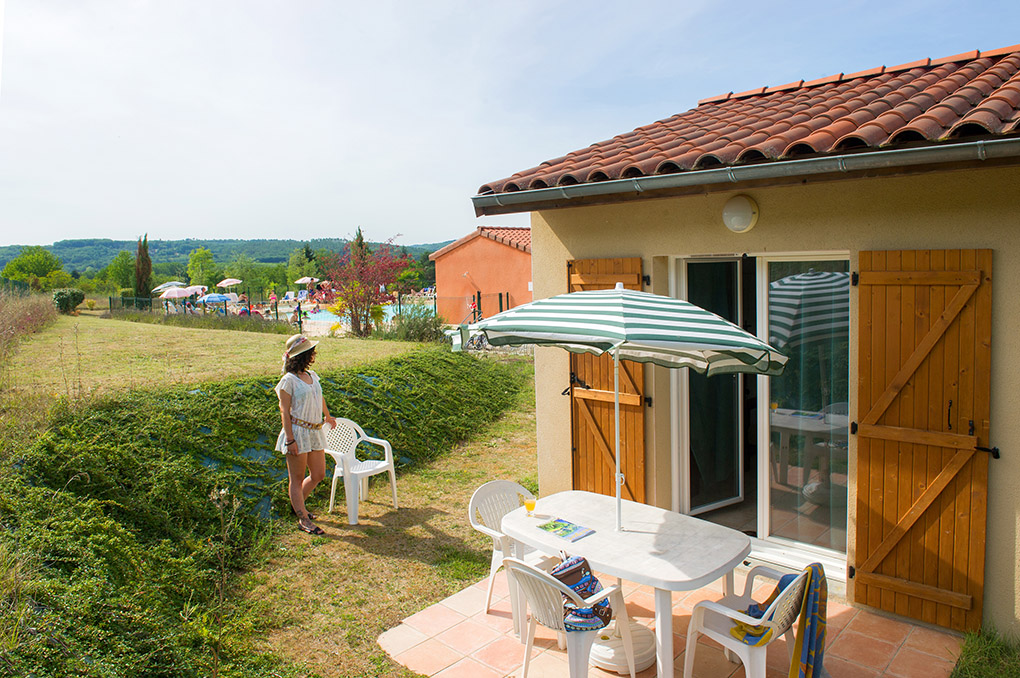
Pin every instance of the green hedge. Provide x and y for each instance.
(114, 508)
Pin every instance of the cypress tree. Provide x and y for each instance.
(143, 268)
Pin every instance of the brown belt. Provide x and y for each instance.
(305, 424)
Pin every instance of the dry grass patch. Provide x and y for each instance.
(331, 597)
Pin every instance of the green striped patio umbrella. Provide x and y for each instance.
(630, 325)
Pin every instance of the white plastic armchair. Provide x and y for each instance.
(488, 505)
(341, 443)
(546, 595)
(715, 619)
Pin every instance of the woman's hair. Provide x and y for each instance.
(299, 362)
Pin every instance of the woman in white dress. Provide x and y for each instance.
(302, 410)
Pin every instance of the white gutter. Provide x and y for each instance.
(526, 201)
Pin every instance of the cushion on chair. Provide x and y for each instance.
(576, 573)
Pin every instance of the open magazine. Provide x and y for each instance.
(566, 529)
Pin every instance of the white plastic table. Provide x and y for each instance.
(662, 549)
(812, 425)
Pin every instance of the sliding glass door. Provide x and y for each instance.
(808, 318)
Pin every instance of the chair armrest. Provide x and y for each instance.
(597, 598)
(337, 456)
(486, 530)
(729, 613)
(383, 443)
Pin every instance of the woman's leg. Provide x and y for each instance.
(296, 464)
(316, 472)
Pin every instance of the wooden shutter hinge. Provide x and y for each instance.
(854, 278)
(853, 427)
(850, 573)
(648, 401)
(647, 280)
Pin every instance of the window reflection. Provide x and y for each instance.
(809, 318)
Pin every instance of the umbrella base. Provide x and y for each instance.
(607, 650)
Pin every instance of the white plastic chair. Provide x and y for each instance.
(715, 619)
(488, 505)
(341, 443)
(545, 595)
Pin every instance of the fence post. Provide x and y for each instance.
(500, 302)
(478, 305)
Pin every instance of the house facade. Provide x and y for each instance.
(484, 272)
(860, 224)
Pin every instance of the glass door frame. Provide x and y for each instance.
(783, 549)
(769, 549)
(683, 460)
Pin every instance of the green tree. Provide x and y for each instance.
(301, 265)
(34, 261)
(121, 270)
(202, 268)
(143, 268)
(55, 280)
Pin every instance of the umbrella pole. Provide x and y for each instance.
(616, 408)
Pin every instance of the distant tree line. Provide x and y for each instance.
(96, 253)
(134, 275)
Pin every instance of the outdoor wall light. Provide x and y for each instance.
(740, 213)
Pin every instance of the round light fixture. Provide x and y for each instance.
(740, 213)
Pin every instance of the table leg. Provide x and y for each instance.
(727, 588)
(663, 632)
(784, 457)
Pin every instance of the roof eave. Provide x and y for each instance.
(736, 177)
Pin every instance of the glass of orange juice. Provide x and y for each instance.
(529, 504)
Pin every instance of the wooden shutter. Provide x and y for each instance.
(593, 436)
(923, 407)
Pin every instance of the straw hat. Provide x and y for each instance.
(297, 345)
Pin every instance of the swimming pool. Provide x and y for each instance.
(322, 315)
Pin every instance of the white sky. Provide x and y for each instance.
(305, 119)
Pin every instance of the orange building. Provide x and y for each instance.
(487, 271)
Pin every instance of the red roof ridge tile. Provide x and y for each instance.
(878, 70)
(972, 94)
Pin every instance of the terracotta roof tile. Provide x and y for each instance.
(518, 237)
(922, 101)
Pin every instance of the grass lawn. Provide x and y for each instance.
(326, 599)
(86, 354)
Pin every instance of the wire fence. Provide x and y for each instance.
(15, 286)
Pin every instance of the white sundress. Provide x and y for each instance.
(305, 404)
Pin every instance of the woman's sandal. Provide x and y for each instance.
(314, 529)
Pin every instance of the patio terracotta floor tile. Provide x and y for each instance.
(871, 624)
(504, 654)
(709, 662)
(641, 605)
(695, 597)
(497, 620)
(435, 619)
(468, 636)
(455, 638)
(468, 602)
(429, 657)
(468, 668)
(861, 649)
(545, 665)
(400, 638)
(909, 663)
(841, 668)
(938, 643)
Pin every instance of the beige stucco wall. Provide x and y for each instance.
(962, 209)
